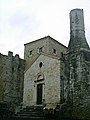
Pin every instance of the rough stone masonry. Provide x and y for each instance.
(11, 79)
(77, 68)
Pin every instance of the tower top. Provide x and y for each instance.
(77, 31)
(76, 20)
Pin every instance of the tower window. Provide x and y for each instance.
(30, 52)
(54, 51)
(61, 54)
(40, 49)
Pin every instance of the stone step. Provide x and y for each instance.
(34, 112)
(29, 114)
(31, 110)
(28, 117)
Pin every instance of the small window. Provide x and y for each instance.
(30, 52)
(40, 65)
(61, 54)
(40, 49)
(54, 51)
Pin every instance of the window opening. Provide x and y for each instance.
(30, 52)
(61, 54)
(54, 51)
(40, 49)
(40, 65)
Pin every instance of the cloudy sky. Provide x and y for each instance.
(23, 21)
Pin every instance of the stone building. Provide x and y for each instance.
(57, 75)
(11, 79)
(42, 74)
(54, 75)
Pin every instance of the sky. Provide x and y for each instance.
(23, 21)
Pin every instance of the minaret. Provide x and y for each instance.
(77, 31)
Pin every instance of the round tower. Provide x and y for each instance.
(77, 30)
(76, 21)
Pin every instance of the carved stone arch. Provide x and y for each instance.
(40, 76)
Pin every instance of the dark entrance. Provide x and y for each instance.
(39, 94)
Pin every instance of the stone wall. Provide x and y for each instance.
(76, 84)
(81, 89)
(11, 79)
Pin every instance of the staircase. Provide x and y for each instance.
(31, 113)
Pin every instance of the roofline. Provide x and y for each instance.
(36, 40)
(44, 38)
(58, 42)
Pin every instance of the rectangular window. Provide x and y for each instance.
(61, 54)
(54, 51)
(40, 49)
(30, 52)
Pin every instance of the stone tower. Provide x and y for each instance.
(77, 31)
(77, 72)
